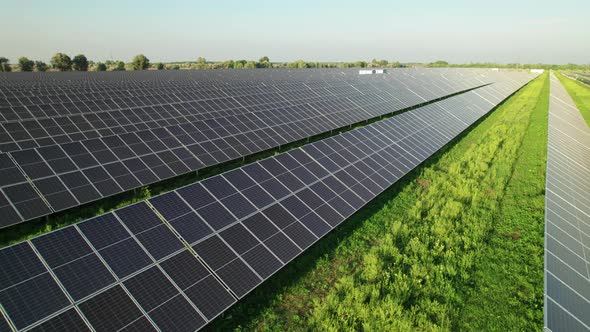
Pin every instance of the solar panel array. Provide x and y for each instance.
(70, 142)
(567, 216)
(178, 260)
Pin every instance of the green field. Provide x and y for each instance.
(580, 93)
(456, 245)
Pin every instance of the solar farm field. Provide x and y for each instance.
(315, 199)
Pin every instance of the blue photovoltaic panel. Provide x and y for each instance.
(69, 320)
(567, 216)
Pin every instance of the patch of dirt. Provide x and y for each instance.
(425, 184)
(514, 235)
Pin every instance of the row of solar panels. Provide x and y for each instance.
(567, 216)
(176, 261)
(138, 83)
(71, 100)
(28, 126)
(55, 81)
(169, 110)
(43, 180)
(155, 78)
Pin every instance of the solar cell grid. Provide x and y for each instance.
(32, 300)
(84, 276)
(19, 263)
(69, 320)
(209, 296)
(110, 310)
(151, 288)
(262, 261)
(239, 277)
(177, 314)
(123, 265)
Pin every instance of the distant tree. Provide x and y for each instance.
(80, 63)
(176, 67)
(159, 66)
(240, 64)
(201, 63)
(298, 64)
(40, 66)
(264, 62)
(228, 64)
(438, 63)
(109, 63)
(394, 64)
(119, 66)
(101, 66)
(61, 62)
(140, 62)
(4, 64)
(250, 65)
(361, 64)
(26, 64)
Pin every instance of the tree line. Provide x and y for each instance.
(569, 66)
(63, 62)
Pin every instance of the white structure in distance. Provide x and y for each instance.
(372, 71)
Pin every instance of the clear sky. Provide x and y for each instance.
(458, 31)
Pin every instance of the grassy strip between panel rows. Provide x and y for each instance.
(580, 93)
(422, 256)
(58, 220)
(508, 292)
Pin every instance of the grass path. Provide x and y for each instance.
(508, 292)
(580, 93)
(417, 255)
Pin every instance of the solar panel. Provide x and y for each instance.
(181, 278)
(107, 144)
(567, 216)
(110, 310)
(69, 320)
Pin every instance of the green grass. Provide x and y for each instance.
(415, 258)
(508, 292)
(580, 93)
